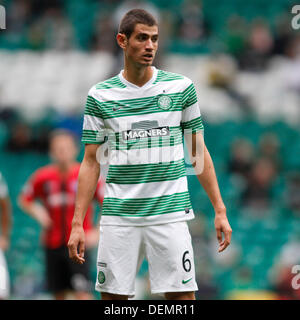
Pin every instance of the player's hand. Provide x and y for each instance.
(223, 228)
(45, 221)
(40, 213)
(76, 244)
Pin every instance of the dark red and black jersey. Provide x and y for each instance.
(57, 193)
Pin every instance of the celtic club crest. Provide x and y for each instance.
(164, 102)
(101, 277)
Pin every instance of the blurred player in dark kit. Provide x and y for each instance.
(55, 186)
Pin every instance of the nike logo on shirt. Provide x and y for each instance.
(186, 281)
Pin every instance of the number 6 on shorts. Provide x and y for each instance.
(185, 262)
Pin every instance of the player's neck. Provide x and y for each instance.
(64, 168)
(137, 75)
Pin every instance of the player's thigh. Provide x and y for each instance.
(119, 253)
(180, 295)
(170, 256)
(109, 296)
(4, 278)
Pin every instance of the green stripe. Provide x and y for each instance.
(163, 76)
(91, 136)
(111, 83)
(195, 124)
(146, 206)
(189, 96)
(92, 107)
(138, 101)
(86, 141)
(144, 173)
(139, 106)
(187, 91)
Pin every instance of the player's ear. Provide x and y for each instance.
(122, 40)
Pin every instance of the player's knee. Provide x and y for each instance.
(111, 296)
(83, 296)
(180, 295)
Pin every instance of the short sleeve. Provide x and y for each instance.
(191, 115)
(3, 188)
(93, 125)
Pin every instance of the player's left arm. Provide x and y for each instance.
(5, 215)
(202, 162)
(205, 171)
(92, 236)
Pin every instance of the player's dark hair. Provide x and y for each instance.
(132, 18)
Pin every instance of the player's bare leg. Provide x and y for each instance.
(81, 295)
(110, 296)
(61, 295)
(180, 296)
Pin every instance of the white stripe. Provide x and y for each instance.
(170, 87)
(145, 156)
(171, 119)
(190, 113)
(149, 220)
(146, 190)
(92, 123)
(4, 277)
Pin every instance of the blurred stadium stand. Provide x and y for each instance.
(244, 59)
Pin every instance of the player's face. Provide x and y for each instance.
(142, 44)
(63, 149)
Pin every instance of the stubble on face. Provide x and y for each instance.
(142, 45)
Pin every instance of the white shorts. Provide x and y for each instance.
(167, 248)
(4, 277)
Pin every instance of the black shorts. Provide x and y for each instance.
(64, 274)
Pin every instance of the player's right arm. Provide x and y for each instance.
(5, 215)
(27, 201)
(87, 182)
(36, 211)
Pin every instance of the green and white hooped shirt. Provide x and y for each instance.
(146, 182)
